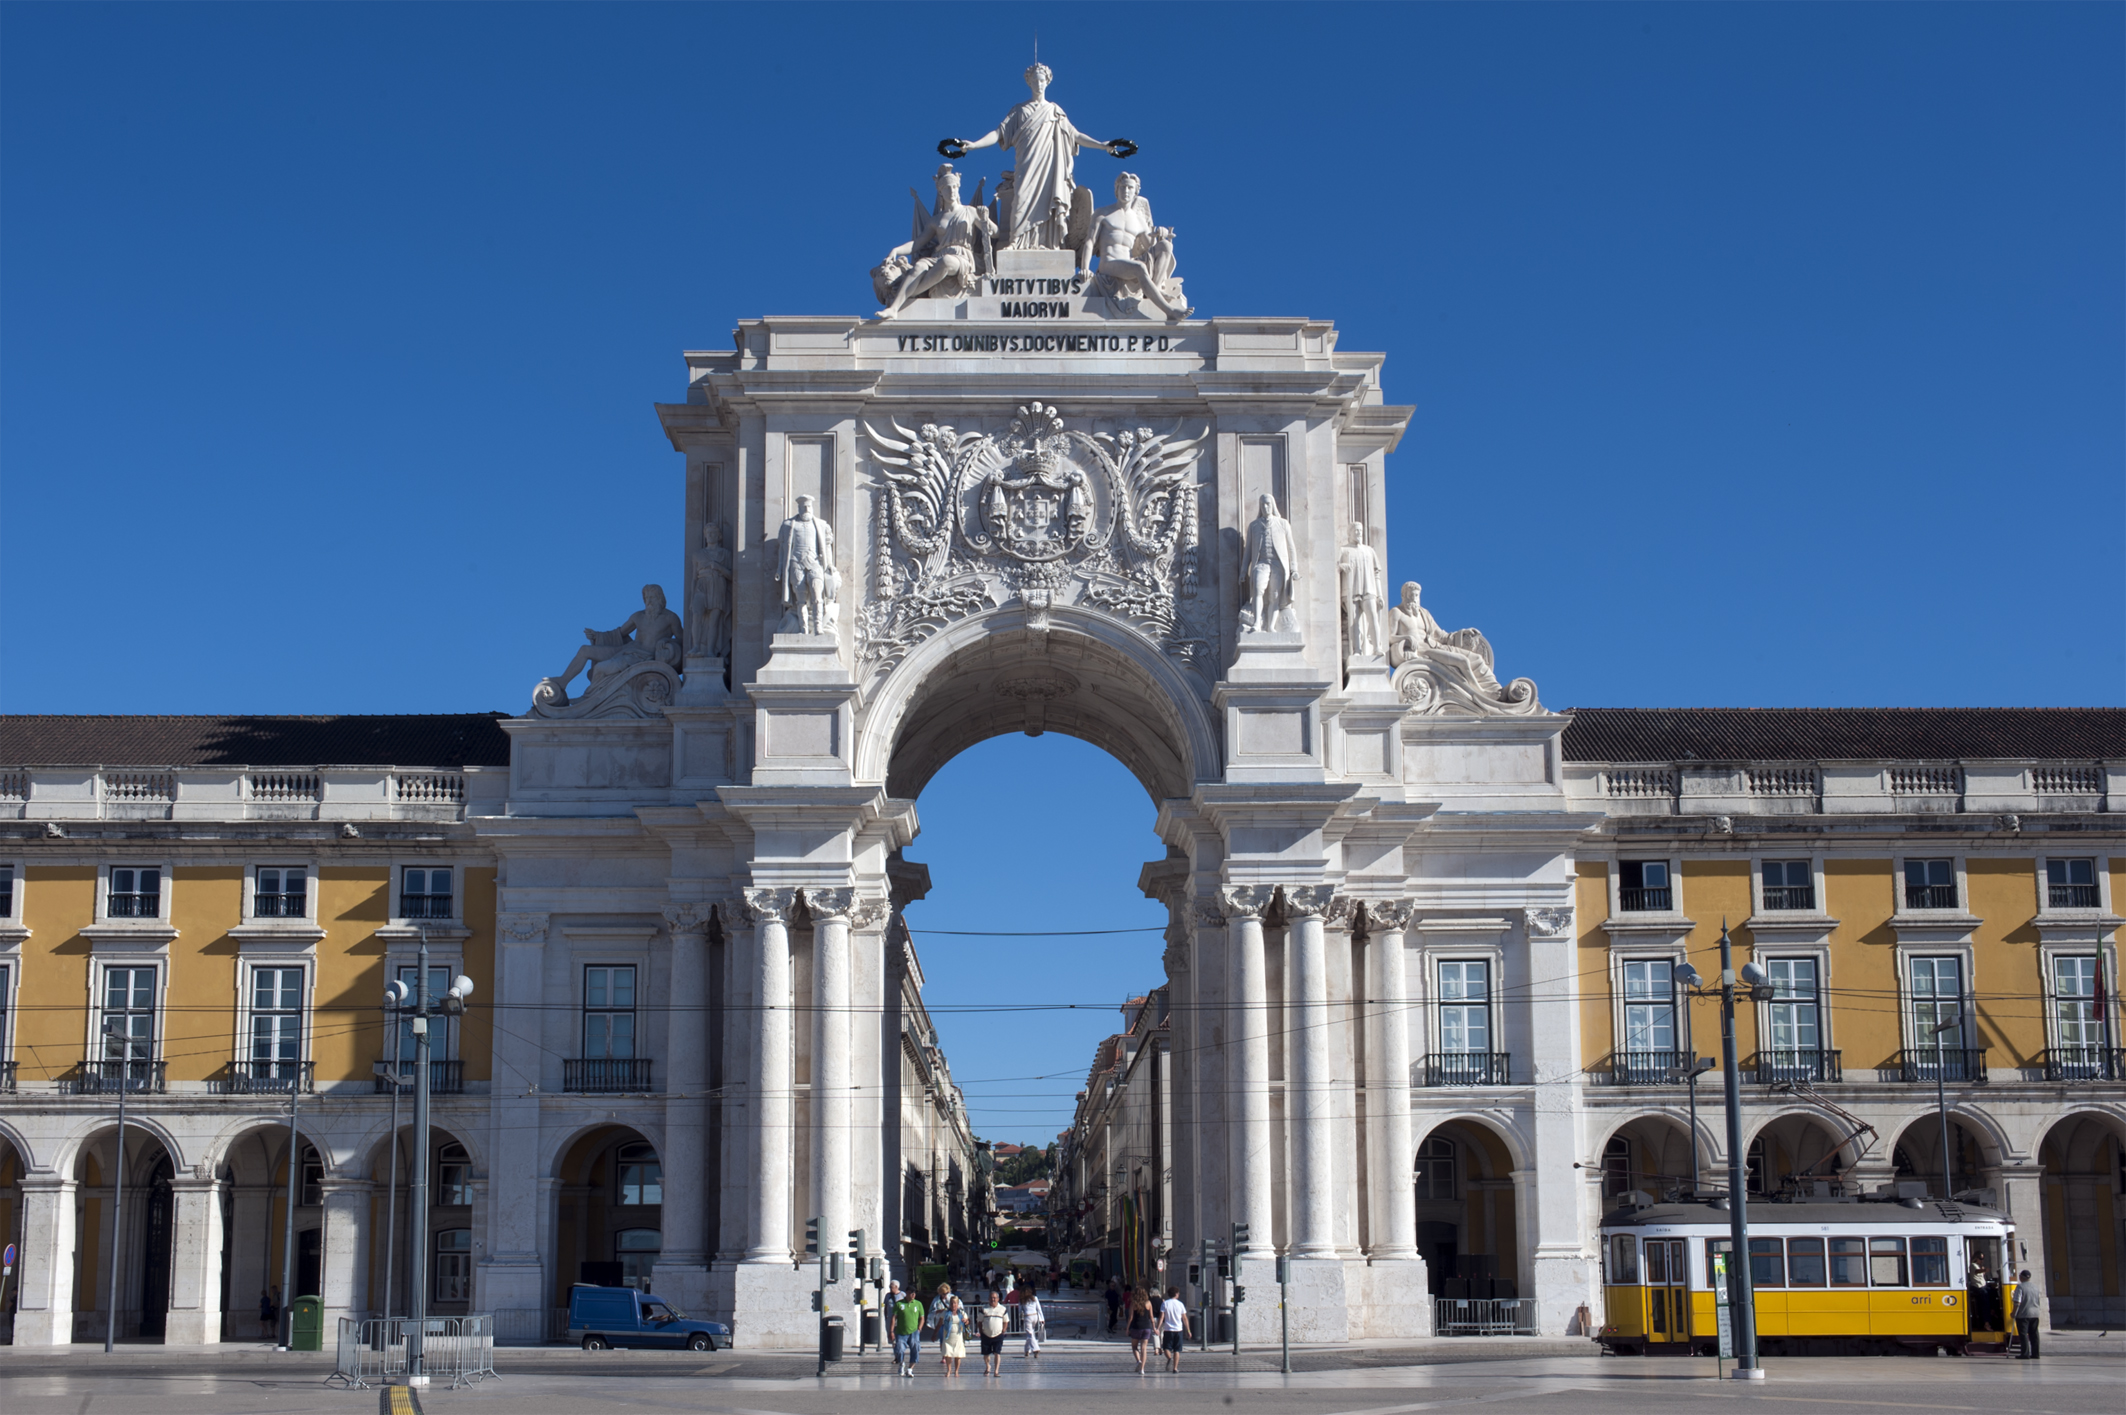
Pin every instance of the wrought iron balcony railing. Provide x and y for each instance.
(133, 906)
(606, 1074)
(250, 1078)
(1650, 1068)
(445, 1078)
(1930, 896)
(1800, 897)
(2070, 896)
(278, 906)
(2085, 1063)
(1467, 1068)
(7, 1078)
(1645, 901)
(424, 906)
(110, 1077)
(1786, 1064)
(1948, 1063)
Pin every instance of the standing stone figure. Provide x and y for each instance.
(804, 566)
(1364, 589)
(1270, 574)
(1046, 146)
(655, 634)
(709, 603)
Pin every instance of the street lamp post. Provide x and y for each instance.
(389, 1070)
(451, 1004)
(115, 1030)
(1941, 1106)
(1699, 1065)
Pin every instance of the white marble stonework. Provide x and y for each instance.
(1041, 494)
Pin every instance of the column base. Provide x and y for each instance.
(683, 1284)
(771, 1307)
(512, 1284)
(1563, 1285)
(44, 1328)
(197, 1328)
(1397, 1299)
(1319, 1295)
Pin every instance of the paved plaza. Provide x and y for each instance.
(2081, 1372)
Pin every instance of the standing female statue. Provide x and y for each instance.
(1046, 146)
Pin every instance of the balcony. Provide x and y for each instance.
(1797, 897)
(2085, 1063)
(7, 1078)
(133, 906)
(1467, 1068)
(1650, 1068)
(97, 1078)
(424, 906)
(1930, 896)
(2070, 896)
(445, 1078)
(1946, 1063)
(255, 1078)
(278, 906)
(1645, 901)
(606, 1075)
(1783, 1067)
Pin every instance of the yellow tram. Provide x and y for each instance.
(1831, 1276)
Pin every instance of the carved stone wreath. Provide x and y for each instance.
(1044, 514)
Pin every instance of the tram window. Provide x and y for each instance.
(1657, 1264)
(1930, 1262)
(1849, 1262)
(1766, 1266)
(1624, 1260)
(1712, 1246)
(1886, 1261)
(1804, 1262)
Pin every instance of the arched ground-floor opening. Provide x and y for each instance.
(124, 1206)
(1651, 1154)
(1918, 1164)
(256, 1274)
(2082, 1161)
(448, 1246)
(609, 1225)
(1797, 1152)
(11, 1167)
(1468, 1214)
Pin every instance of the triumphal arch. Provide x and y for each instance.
(1038, 491)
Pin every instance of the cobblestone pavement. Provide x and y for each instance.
(2082, 1372)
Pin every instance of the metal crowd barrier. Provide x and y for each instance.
(1483, 1316)
(372, 1352)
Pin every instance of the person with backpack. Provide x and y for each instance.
(906, 1313)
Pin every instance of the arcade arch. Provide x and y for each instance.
(609, 1223)
(141, 1225)
(1468, 1211)
(453, 1188)
(1794, 1148)
(1651, 1153)
(2082, 1161)
(1916, 1154)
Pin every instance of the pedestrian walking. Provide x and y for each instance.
(1036, 1323)
(906, 1313)
(2027, 1315)
(1173, 1328)
(939, 1305)
(266, 1314)
(952, 1335)
(1143, 1323)
(1114, 1303)
(993, 1321)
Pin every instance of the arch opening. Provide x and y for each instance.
(609, 1224)
(1468, 1212)
(2082, 1163)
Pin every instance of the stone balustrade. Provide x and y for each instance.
(1846, 787)
(220, 793)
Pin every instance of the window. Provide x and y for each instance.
(1465, 1007)
(1804, 1262)
(1624, 1260)
(7, 891)
(1789, 884)
(424, 894)
(136, 894)
(3, 1011)
(453, 1280)
(1849, 1262)
(2080, 1027)
(441, 1037)
(2070, 884)
(313, 1179)
(1649, 1005)
(282, 893)
(1930, 884)
(1930, 1262)
(1435, 1168)
(1886, 1262)
(1937, 1000)
(1767, 1268)
(641, 1177)
(1642, 886)
(636, 1249)
(129, 1001)
(608, 1012)
(1753, 1163)
(453, 1175)
(276, 1023)
(1793, 1024)
(1616, 1168)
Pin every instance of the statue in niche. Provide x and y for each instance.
(945, 257)
(1045, 146)
(1363, 589)
(709, 599)
(804, 566)
(651, 634)
(1413, 633)
(1136, 256)
(1270, 574)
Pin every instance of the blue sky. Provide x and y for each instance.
(1761, 354)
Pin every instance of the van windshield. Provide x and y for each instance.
(656, 1312)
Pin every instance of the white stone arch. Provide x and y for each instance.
(1675, 1117)
(17, 1139)
(557, 1150)
(1833, 1125)
(369, 1151)
(1080, 646)
(1505, 1126)
(1994, 1146)
(68, 1156)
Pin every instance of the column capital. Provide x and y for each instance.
(1315, 901)
(1246, 901)
(521, 928)
(826, 904)
(1208, 915)
(1548, 923)
(769, 906)
(1391, 916)
(689, 916)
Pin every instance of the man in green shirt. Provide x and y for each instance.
(907, 1318)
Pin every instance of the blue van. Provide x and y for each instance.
(603, 1317)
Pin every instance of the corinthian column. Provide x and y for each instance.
(686, 1107)
(769, 1239)
(831, 1067)
(1313, 1191)
(1249, 1083)
(1392, 1229)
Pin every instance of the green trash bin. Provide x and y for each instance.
(306, 1324)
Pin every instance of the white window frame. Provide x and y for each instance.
(1616, 887)
(1493, 1028)
(247, 982)
(12, 936)
(456, 922)
(93, 1048)
(406, 955)
(1454, 941)
(1758, 860)
(1962, 910)
(1908, 1001)
(310, 892)
(1820, 955)
(11, 929)
(2099, 864)
(163, 897)
(2107, 962)
(1673, 955)
(639, 1042)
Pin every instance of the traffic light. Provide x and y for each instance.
(834, 1267)
(1195, 1275)
(812, 1237)
(1225, 1265)
(856, 1247)
(878, 1269)
(1284, 1271)
(1240, 1294)
(1240, 1236)
(819, 1301)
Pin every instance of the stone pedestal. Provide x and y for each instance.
(1397, 1300)
(1319, 1296)
(774, 1306)
(44, 1311)
(346, 1248)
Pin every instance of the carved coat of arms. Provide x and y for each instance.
(1042, 512)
